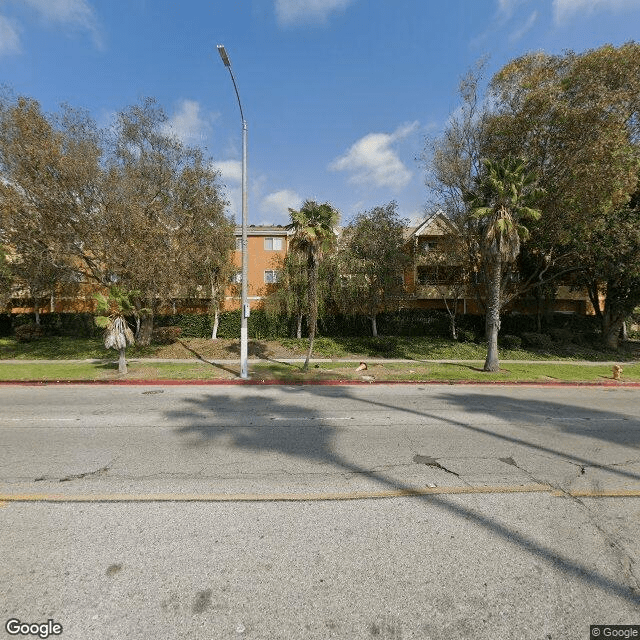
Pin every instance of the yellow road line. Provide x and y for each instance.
(311, 497)
(268, 497)
(607, 493)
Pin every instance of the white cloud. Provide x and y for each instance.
(507, 7)
(279, 202)
(296, 12)
(563, 10)
(9, 38)
(231, 170)
(77, 13)
(518, 33)
(372, 160)
(64, 11)
(187, 124)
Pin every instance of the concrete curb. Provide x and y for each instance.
(292, 383)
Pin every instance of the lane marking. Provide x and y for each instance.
(312, 497)
(272, 497)
(607, 493)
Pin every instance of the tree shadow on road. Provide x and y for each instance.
(296, 421)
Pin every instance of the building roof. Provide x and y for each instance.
(436, 224)
(264, 230)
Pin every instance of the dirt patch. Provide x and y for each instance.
(223, 349)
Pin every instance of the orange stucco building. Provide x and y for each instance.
(267, 247)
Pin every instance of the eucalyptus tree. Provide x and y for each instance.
(50, 169)
(501, 201)
(314, 234)
(6, 278)
(291, 297)
(371, 260)
(167, 234)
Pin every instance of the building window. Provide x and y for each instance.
(271, 276)
(273, 244)
(238, 243)
(236, 278)
(425, 246)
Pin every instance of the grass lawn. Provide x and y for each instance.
(376, 372)
(411, 348)
(63, 348)
(435, 348)
(372, 350)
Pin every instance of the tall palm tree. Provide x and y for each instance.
(313, 234)
(501, 200)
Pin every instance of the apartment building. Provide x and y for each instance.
(431, 277)
(267, 247)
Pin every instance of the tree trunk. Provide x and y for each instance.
(216, 310)
(539, 311)
(36, 310)
(611, 331)
(493, 316)
(374, 326)
(299, 327)
(313, 305)
(122, 362)
(145, 327)
(216, 323)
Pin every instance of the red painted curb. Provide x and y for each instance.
(503, 383)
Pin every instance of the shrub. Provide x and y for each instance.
(511, 342)
(5, 324)
(562, 335)
(466, 335)
(29, 332)
(166, 335)
(74, 325)
(537, 340)
(589, 339)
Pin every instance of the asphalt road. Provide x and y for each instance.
(394, 511)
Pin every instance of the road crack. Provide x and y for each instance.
(432, 462)
(78, 476)
(623, 557)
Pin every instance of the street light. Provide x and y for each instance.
(244, 373)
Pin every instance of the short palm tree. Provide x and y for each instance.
(117, 333)
(313, 234)
(501, 200)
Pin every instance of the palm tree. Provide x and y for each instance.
(500, 201)
(313, 234)
(117, 334)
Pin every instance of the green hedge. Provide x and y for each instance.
(80, 325)
(261, 326)
(406, 322)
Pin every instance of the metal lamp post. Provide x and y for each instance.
(244, 373)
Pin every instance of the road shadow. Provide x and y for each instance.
(293, 425)
(201, 358)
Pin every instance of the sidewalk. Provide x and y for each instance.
(319, 361)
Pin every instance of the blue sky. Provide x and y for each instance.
(338, 94)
